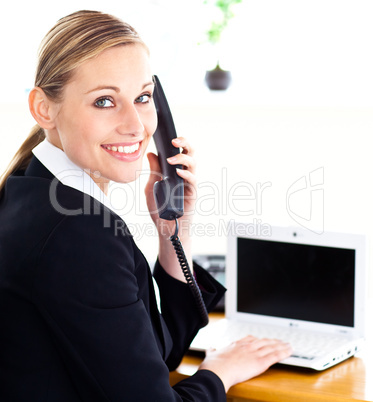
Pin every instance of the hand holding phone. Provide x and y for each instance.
(169, 192)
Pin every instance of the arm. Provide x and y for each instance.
(87, 292)
(179, 307)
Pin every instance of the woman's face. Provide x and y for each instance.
(107, 115)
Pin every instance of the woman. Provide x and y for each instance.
(79, 314)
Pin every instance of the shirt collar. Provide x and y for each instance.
(68, 173)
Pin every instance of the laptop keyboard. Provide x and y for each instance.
(305, 344)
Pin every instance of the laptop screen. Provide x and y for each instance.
(296, 281)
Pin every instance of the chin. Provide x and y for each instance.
(128, 178)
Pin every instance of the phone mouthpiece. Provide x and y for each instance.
(169, 198)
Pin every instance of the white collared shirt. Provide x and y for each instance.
(68, 173)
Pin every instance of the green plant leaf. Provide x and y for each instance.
(217, 27)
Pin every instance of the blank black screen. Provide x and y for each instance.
(296, 281)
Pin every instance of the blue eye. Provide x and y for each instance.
(104, 103)
(145, 98)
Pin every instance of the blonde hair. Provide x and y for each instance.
(75, 39)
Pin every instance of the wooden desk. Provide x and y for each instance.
(351, 380)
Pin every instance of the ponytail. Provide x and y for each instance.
(23, 156)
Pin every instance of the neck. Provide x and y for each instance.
(101, 182)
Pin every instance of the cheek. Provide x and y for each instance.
(75, 138)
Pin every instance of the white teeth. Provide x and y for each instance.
(129, 149)
(124, 149)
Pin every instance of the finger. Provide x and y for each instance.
(274, 355)
(187, 175)
(264, 342)
(248, 338)
(153, 162)
(282, 351)
(262, 345)
(155, 168)
(183, 159)
(272, 347)
(181, 142)
(190, 184)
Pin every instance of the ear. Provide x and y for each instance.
(42, 108)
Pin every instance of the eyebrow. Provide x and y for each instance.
(113, 88)
(101, 87)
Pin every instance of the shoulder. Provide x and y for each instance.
(87, 256)
(52, 215)
(85, 225)
(51, 201)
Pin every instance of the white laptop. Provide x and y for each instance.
(305, 288)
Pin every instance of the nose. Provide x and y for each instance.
(130, 122)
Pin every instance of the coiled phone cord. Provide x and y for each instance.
(188, 275)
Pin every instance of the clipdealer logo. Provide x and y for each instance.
(305, 201)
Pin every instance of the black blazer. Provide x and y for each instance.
(79, 320)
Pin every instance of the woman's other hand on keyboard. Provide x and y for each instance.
(245, 359)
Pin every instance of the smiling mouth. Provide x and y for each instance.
(123, 149)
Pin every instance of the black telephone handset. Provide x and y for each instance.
(169, 192)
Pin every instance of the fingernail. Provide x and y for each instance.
(171, 159)
(176, 140)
